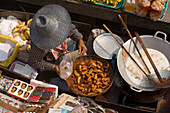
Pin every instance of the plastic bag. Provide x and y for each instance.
(11, 58)
(7, 26)
(66, 66)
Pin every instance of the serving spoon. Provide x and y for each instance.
(165, 75)
(159, 79)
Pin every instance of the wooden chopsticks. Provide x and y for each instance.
(144, 48)
(149, 57)
(134, 43)
(124, 49)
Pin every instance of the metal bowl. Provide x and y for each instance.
(152, 42)
(70, 80)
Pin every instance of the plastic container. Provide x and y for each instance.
(11, 58)
(20, 90)
(32, 76)
(120, 4)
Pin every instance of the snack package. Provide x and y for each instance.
(155, 15)
(144, 3)
(42, 94)
(141, 11)
(20, 89)
(66, 66)
(156, 5)
(5, 83)
(50, 88)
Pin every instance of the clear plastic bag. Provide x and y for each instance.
(7, 26)
(66, 66)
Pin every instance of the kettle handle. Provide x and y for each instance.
(165, 35)
(135, 89)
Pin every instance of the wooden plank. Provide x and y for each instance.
(18, 14)
(9, 107)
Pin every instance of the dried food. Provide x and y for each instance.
(20, 92)
(13, 89)
(17, 83)
(29, 88)
(26, 94)
(23, 86)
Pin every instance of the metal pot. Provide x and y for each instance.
(153, 42)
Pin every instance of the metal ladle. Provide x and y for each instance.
(159, 79)
(165, 74)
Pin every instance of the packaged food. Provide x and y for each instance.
(37, 93)
(29, 88)
(155, 15)
(140, 11)
(20, 92)
(26, 94)
(20, 89)
(33, 98)
(13, 89)
(156, 5)
(153, 9)
(17, 83)
(5, 82)
(23, 86)
(42, 94)
(144, 3)
(50, 89)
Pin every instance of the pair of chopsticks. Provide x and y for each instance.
(143, 46)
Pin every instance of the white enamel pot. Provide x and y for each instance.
(153, 42)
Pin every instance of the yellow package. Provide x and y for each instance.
(11, 58)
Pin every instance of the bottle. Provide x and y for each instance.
(130, 5)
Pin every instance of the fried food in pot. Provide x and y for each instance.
(91, 77)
